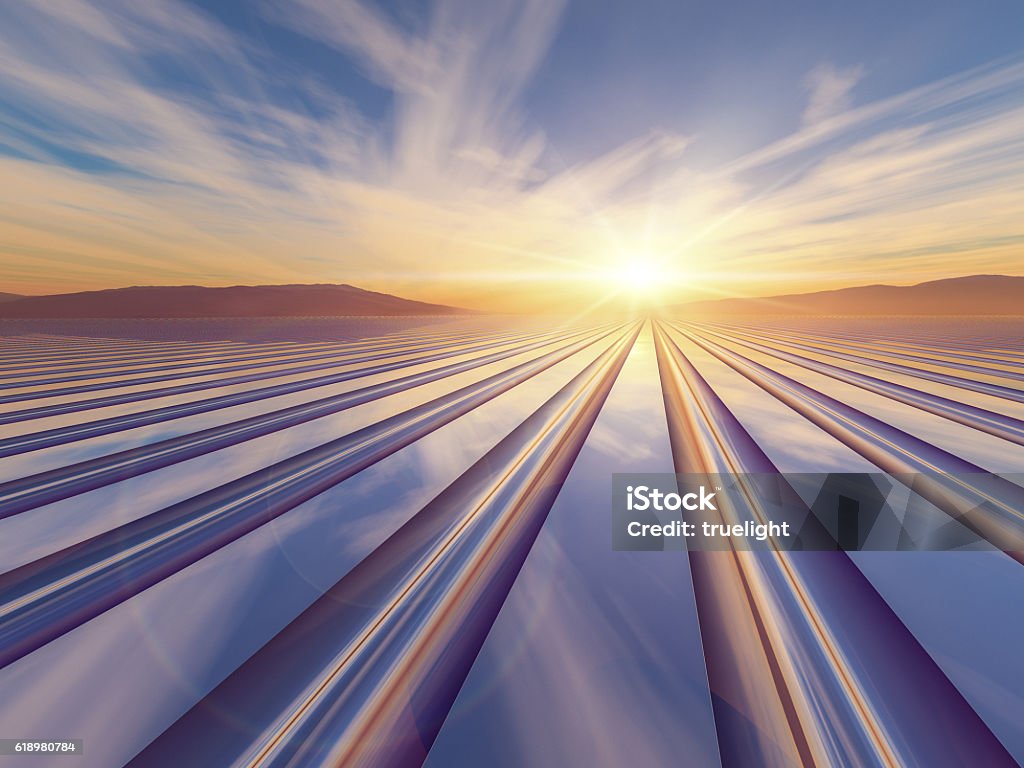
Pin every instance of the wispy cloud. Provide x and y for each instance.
(150, 143)
(830, 91)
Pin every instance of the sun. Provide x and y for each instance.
(639, 276)
(642, 278)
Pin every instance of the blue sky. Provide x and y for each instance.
(470, 150)
(734, 73)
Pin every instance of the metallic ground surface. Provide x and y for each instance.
(387, 542)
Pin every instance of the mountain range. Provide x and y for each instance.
(971, 295)
(193, 301)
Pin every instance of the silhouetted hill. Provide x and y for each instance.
(5, 297)
(972, 295)
(191, 301)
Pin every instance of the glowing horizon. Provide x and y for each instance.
(480, 160)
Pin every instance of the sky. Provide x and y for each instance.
(510, 155)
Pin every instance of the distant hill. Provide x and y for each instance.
(191, 301)
(5, 297)
(973, 295)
